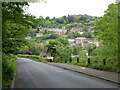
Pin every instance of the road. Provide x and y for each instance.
(32, 74)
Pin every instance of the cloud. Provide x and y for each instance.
(59, 8)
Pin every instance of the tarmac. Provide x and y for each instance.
(105, 75)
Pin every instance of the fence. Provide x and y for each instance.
(89, 61)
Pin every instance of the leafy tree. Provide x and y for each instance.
(76, 49)
(35, 48)
(85, 28)
(47, 18)
(89, 48)
(68, 26)
(63, 40)
(87, 35)
(107, 29)
(49, 36)
(63, 53)
(73, 34)
(71, 19)
(52, 47)
(14, 28)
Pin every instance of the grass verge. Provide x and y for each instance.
(33, 57)
(8, 69)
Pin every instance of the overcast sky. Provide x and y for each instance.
(58, 8)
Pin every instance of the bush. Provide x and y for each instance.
(33, 57)
(8, 69)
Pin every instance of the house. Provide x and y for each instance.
(28, 38)
(74, 29)
(39, 34)
(58, 31)
(82, 41)
(79, 30)
(91, 29)
(42, 30)
(71, 41)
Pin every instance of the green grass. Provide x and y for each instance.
(96, 63)
(109, 66)
(33, 57)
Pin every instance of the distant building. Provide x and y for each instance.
(82, 41)
(71, 41)
(28, 38)
(39, 34)
(91, 29)
(74, 29)
(58, 31)
(42, 30)
(81, 32)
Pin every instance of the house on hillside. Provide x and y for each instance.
(82, 41)
(39, 34)
(71, 41)
(79, 30)
(91, 29)
(61, 31)
(28, 38)
(42, 30)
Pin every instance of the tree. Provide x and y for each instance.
(89, 48)
(63, 40)
(14, 28)
(71, 19)
(68, 27)
(85, 28)
(87, 35)
(73, 34)
(47, 18)
(107, 30)
(107, 26)
(76, 49)
(52, 47)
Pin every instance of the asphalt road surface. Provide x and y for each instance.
(32, 74)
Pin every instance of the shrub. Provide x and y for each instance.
(8, 69)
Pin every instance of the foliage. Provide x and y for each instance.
(52, 47)
(63, 40)
(13, 37)
(49, 36)
(107, 30)
(73, 34)
(89, 48)
(70, 21)
(15, 26)
(61, 51)
(9, 69)
(35, 48)
(87, 35)
(76, 49)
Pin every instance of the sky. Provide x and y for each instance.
(59, 8)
